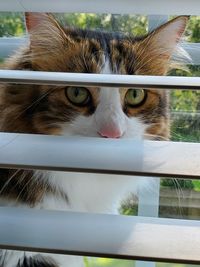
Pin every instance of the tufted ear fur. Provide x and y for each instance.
(47, 39)
(168, 35)
(160, 45)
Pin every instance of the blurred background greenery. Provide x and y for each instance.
(185, 105)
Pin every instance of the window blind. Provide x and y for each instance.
(123, 237)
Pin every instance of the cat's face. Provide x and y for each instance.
(115, 112)
(100, 111)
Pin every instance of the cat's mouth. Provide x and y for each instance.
(105, 136)
(110, 133)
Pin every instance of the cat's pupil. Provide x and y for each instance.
(76, 92)
(135, 93)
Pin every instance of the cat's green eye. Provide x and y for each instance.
(77, 95)
(135, 97)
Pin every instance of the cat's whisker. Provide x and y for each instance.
(179, 193)
(8, 181)
(35, 102)
(180, 188)
(23, 188)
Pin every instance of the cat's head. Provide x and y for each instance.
(92, 111)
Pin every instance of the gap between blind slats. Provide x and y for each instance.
(96, 155)
(115, 236)
(112, 6)
(106, 80)
(9, 44)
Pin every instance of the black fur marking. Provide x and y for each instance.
(104, 38)
(26, 186)
(37, 261)
(94, 50)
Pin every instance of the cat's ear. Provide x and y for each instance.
(44, 23)
(169, 34)
(33, 20)
(163, 42)
(47, 38)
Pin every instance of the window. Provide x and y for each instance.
(170, 198)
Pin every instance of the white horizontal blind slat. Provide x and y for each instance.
(106, 80)
(112, 6)
(114, 236)
(96, 155)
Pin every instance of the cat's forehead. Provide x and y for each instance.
(95, 51)
(104, 38)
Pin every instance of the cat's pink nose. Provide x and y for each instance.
(110, 133)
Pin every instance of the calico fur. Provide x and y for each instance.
(46, 110)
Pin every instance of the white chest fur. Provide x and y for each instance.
(85, 192)
(89, 192)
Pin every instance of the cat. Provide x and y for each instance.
(81, 111)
